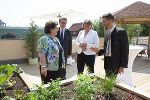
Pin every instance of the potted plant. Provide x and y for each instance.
(31, 41)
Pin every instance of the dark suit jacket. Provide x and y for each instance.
(67, 41)
(119, 48)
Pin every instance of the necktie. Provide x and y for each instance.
(62, 38)
(108, 43)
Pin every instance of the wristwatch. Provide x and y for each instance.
(43, 66)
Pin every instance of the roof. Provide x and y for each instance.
(76, 27)
(137, 9)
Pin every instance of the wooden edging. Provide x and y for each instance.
(24, 82)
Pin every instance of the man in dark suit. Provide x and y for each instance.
(116, 47)
(65, 37)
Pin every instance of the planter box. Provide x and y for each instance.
(18, 85)
(124, 92)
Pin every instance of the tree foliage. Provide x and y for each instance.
(145, 30)
(97, 26)
(31, 41)
(131, 30)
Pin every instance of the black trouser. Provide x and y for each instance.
(110, 69)
(63, 70)
(83, 59)
(51, 75)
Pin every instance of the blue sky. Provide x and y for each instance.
(18, 12)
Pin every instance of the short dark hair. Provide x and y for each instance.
(108, 16)
(49, 26)
(87, 21)
(63, 18)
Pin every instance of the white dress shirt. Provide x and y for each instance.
(91, 39)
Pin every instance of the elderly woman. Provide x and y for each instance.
(88, 43)
(51, 54)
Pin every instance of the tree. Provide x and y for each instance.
(8, 36)
(97, 26)
(131, 30)
(31, 41)
(145, 30)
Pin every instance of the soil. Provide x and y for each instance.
(116, 94)
(19, 85)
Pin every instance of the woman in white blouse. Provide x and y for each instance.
(87, 43)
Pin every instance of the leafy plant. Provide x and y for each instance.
(52, 92)
(108, 84)
(8, 98)
(97, 26)
(145, 30)
(84, 88)
(18, 93)
(6, 71)
(29, 96)
(131, 30)
(31, 41)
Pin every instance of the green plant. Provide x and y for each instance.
(97, 26)
(31, 41)
(108, 84)
(18, 93)
(52, 92)
(8, 98)
(6, 71)
(131, 30)
(145, 30)
(29, 96)
(84, 88)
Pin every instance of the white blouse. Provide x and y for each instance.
(91, 39)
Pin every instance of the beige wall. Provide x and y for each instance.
(11, 49)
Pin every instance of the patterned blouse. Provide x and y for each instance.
(52, 48)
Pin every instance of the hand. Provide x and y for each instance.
(121, 70)
(44, 71)
(94, 49)
(83, 46)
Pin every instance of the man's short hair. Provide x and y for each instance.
(108, 16)
(63, 18)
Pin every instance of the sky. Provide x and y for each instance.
(20, 12)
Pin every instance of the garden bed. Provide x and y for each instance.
(19, 88)
(84, 87)
(117, 93)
